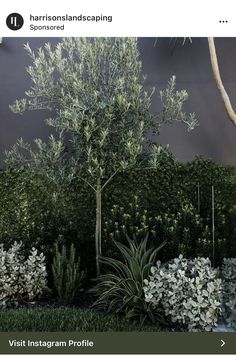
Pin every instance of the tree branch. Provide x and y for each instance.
(216, 72)
(87, 182)
(110, 178)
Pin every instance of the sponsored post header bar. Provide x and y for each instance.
(124, 18)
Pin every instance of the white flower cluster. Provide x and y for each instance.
(20, 277)
(189, 291)
(229, 286)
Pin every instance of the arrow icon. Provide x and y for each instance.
(222, 343)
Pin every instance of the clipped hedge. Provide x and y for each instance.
(38, 212)
(173, 204)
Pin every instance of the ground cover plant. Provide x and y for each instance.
(66, 319)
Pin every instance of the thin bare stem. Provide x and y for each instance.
(88, 183)
(110, 178)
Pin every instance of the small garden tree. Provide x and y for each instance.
(100, 112)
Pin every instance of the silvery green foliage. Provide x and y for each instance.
(229, 286)
(20, 277)
(189, 291)
(172, 101)
(100, 109)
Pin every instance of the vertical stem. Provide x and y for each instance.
(198, 198)
(98, 233)
(213, 224)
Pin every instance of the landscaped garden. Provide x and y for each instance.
(102, 229)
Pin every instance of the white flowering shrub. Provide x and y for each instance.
(20, 277)
(229, 287)
(189, 291)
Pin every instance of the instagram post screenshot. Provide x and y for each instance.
(118, 178)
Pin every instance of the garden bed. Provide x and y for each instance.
(103, 217)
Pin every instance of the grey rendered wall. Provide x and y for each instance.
(214, 138)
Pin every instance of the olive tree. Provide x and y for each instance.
(100, 112)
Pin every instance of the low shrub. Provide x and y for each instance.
(181, 228)
(121, 289)
(66, 319)
(189, 291)
(229, 287)
(67, 275)
(20, 278)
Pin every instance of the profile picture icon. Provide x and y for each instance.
(14, 21)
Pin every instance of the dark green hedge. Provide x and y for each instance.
(172, 203)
